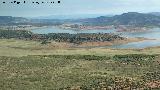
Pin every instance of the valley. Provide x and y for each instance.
(120, 52)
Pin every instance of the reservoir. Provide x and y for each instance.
(151, 34)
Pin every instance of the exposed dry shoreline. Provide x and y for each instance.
(125, 41)
(63, 45)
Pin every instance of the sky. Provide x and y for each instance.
(75, 7)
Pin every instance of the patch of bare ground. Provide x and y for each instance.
(107, 43)
(153, 84)
(86, 44)
(54, 45)
(129, 40)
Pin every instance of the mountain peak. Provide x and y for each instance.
(130, 18)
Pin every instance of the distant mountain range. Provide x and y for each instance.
(74, 16)
(131, 18)
(155, 13)
(10, 19)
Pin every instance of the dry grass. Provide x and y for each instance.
(14, 47)
(19, 71)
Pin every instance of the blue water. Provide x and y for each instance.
(58, 30)
(151, 34)
(138, 45)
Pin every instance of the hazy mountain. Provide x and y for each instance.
(74, 16)
(155, 13)
(131, 18)
(10, 19)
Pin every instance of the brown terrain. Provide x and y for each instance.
(125, 41)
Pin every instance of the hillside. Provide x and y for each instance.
(10, 20)
(131, 18)
(33, 67)
(155, 13)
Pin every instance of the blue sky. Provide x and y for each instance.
(68, 7)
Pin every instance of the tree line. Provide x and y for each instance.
(60, 37)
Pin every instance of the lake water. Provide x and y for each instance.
(59, 30)
(138, 45)
(151, 34)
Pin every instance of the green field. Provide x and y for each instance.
(29, 65)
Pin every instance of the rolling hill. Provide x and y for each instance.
(131, 18)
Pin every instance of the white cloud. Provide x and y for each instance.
(82, 6)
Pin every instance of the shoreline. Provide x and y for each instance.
(107, 43)
(35, 48)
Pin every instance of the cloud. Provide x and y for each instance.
(81, 6)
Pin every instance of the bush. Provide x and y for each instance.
(134, 57)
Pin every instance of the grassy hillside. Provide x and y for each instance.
(77, 71)
(12, 47)
(30, 65)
